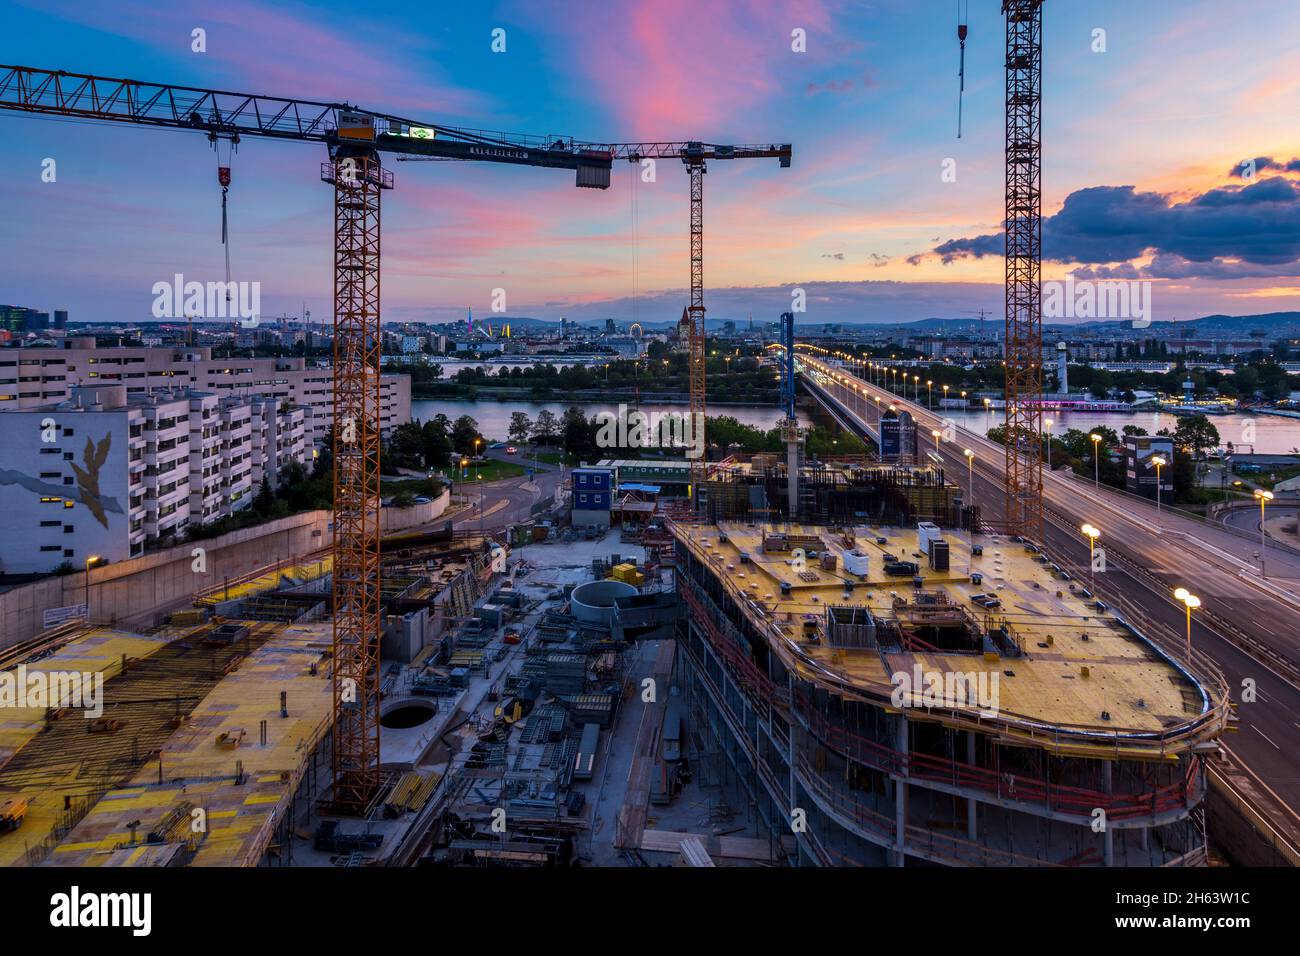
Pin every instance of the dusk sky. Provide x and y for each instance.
(1140, 160)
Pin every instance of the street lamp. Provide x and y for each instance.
(945, 396)
(988, 405)
(1047, 440)
(1264, 497)
(936, 433)
(1191, 601)
(929, 393)
(1093, 534)
(1096, 460)
(1159, 462)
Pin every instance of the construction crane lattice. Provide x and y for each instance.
(1024, 233)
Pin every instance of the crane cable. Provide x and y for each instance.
(961, 69)
(223, 178)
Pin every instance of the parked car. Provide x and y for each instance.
(511, 450)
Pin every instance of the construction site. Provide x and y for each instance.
(785, 661)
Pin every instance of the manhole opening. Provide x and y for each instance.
(400, 718)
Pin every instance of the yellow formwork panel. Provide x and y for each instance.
(308, 571)
(240, 816)
(1061, 630)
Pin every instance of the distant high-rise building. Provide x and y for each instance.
(21, 320)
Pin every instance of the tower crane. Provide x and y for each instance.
(695, 156)
(355, 140)
(1023, 490)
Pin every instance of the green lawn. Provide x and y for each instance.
(1272, 476)
(486, 471)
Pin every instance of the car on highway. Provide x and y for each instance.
(510, 450)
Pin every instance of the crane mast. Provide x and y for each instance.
(1024, 233)
(355, 138)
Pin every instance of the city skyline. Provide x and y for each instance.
(863, 221)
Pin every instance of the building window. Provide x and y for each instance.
(582, 499)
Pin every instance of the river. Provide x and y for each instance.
(493, 416)
(1272, 434)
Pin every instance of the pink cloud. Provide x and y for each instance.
(678, 68)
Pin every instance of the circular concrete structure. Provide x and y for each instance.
(405, 713)
(594, 601)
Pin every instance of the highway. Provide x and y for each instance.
(1249, 626)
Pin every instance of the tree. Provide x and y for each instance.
(547, 427)
(520, 428)
(264, 498)
(435, 442)
(464, 434)
(579, 437)
(1134, 430)
(1197, 434)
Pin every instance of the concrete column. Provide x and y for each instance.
(1108, 838)
(900, 795)
(972, 829)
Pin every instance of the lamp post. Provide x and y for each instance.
(1093, 534)
(988, 405)
(1264, 497)
(1191, 602)
(1159, 462)
(936, 433)
(929, 393)
(1096, 460)
(1047, 442)
(945, 396)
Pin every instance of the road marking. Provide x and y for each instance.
(1265, 736)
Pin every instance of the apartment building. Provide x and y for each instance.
(36, 376)
(104, 473)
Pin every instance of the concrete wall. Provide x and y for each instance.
(141, 590)
(399, 519)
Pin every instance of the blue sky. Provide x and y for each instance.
(1140, 144)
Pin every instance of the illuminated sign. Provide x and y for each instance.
(356, 126)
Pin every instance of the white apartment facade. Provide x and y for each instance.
(102, 474)
(37, 376)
